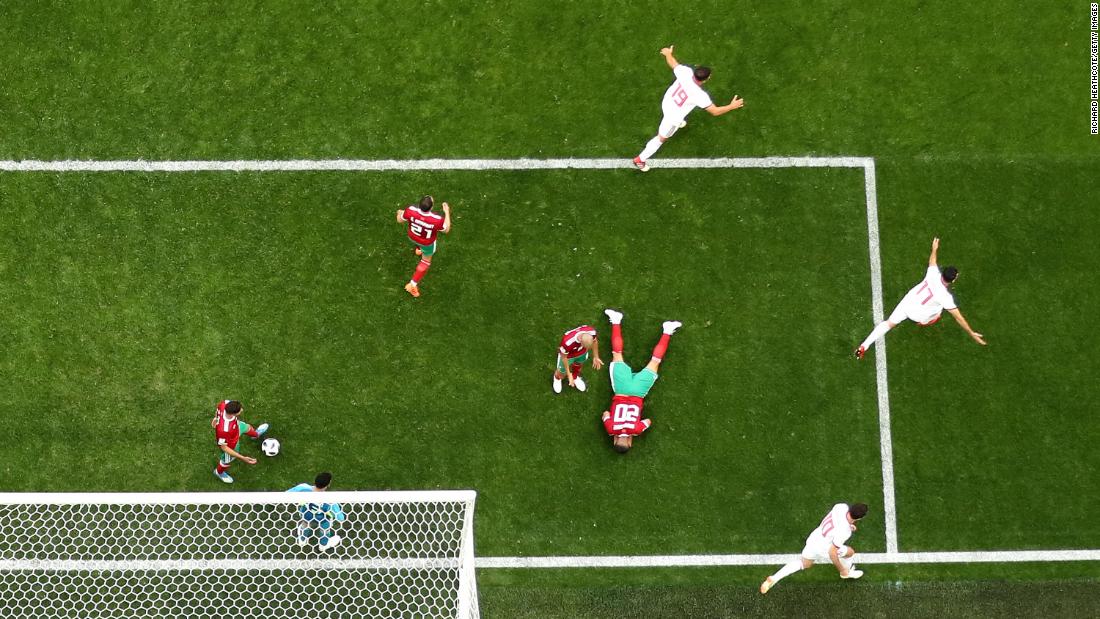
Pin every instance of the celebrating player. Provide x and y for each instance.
(624, 421)
(684, 95)
(924, 303)
(826, 545)
(228, 429)
(317, 518)
(424, 228)
(573, 352)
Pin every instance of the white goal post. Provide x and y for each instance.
(248, 554)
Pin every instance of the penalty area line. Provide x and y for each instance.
(998, 556)
(409, 165)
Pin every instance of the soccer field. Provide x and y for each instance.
(136, 299)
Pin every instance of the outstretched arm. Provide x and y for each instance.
(446, 218)
(958, 316)
(400, 216)
(229, 450)
(669, 58)
(718, 110)
(935, 248)
(597, 363)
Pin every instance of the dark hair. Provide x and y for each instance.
(323, 480)
(949, 274)
(857, 511)
(426, 203)
(621, 448)
(232, 407)
(702, 74)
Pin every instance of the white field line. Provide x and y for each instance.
(886, 445)
(407, 165)
(999, 556)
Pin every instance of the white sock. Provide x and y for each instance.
(412, 282)
(650, 148)
(787, 570)
(847, 563)
(879, 331)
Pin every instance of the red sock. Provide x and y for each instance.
(421, 269)
(661, 347)
(617, 339)
(575, 370)
(252, 432)
(222, 468)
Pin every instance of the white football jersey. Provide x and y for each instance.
(926, 300)
(684, 95)
(834, 529)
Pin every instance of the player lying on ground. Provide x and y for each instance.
(318, 518)
(924, 303)
(624, 421)
(684, 95)
(424, 229)
(227, 430)
(573, 351)
(826, 545)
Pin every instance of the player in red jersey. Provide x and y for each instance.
(228, 429)
(573, 351)
(424, 228)
(624, 421)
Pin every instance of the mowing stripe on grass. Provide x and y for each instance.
(1006, 556)
(408, 165)
(886, 445)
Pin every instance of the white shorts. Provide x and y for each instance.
(669, 126)
(917, 314)
(819, 553)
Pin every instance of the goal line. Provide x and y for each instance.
(996, 556)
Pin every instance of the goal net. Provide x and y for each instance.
(215, 555)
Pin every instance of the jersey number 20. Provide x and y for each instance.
(624, 416)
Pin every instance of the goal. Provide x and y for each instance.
(248, 554)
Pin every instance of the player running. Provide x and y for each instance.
(684, 95)
(624, 421)
(317, 518)
(577, 345)
(826, 545)
(924, 303)
(424, 228)
(227, 430)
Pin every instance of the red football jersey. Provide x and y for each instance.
(571, 342)
(626, 416)
(226, 429)
(423, 227)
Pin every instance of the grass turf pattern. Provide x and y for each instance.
(135, 301)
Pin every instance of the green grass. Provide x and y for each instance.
(134, 301)
(157, 295)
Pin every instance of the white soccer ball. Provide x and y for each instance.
(270, 447)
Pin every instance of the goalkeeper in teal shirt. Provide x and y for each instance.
(317, 518)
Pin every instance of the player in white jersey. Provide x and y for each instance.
(825, 544)
(924, 303)
(684, 95)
